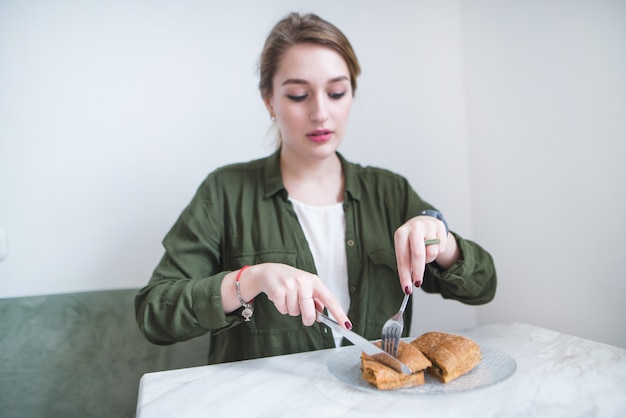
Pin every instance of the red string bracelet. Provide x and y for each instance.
(248, 310)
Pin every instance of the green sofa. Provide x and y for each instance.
(79, 355)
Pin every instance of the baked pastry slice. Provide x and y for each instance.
(386, 378)
(451, 355)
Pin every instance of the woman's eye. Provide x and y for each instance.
(297, 98)
(337, 96)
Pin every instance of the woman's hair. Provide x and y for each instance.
(298, 29)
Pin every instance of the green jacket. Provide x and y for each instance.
(241, 215)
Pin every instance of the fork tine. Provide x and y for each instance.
(385, 342)
(395, 341)
(392, 330)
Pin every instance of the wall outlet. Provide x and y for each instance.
(4, 245)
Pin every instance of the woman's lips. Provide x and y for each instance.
(320, 135)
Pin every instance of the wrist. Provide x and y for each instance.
(248, 309)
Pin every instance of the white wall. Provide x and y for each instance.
(111, 113)
(546, 99)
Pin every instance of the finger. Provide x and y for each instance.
(297, 287)
(307, 309)
(418, 259)
(439, 232)
(293, 303)
(444, 238)
(319, 306)
(436, 246)
(324, 298)
(306, 304)
(431, 253)
(340, 316)
(403, 259)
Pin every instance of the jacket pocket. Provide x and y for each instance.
(266, 256)
(382, 260)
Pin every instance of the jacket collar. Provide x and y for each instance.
(274, 179)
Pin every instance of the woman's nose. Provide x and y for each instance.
(319, 110)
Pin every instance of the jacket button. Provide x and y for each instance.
(352, 289)
(350, 243)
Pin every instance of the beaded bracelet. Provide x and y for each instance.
(248, 310)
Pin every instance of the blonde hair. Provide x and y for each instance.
(297, 29)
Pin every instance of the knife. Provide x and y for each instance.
(368, 348)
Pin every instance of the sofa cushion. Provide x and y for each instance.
(79, 355)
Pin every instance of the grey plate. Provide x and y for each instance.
(494, 367)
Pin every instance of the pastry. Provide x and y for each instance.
(451, 355)
(386, 378)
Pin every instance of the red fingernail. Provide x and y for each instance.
(418, 284)
(348, 325)
(407, 290)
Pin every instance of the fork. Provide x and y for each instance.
(392, 330)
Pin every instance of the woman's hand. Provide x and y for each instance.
(412, 255)
(294, 292)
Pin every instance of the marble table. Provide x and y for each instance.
(556, 375)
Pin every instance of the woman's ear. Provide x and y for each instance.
(269, 107)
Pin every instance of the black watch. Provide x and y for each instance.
(436, 214)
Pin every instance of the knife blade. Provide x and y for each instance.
(368, 347)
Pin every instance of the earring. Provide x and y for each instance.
(273, 118)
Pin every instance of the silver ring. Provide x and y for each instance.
(310, 297)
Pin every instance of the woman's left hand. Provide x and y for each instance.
(412, 254)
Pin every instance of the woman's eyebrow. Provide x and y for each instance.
(302, 81)
(294, 81)
(338, 79)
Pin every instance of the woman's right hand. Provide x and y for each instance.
(293, 291)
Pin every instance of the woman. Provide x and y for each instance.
(263, 245)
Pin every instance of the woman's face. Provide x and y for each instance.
(311, 100)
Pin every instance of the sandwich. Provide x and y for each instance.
(386, 378)
(451, 355)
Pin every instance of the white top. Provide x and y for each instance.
(325, 230)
